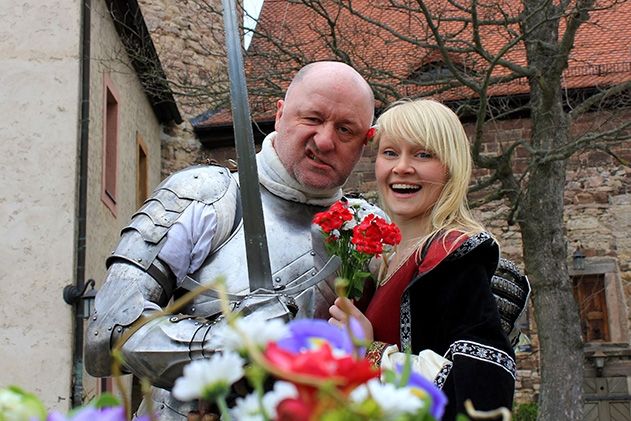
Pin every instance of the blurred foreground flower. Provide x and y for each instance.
(307, 334)
(209, 379)
(250, 409)
(259, 332)
(90, 413)
(16, 404)
(316, 374)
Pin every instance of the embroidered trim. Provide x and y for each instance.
(483, 353)
(406, 323)
(469, 245)
(441, 377)
(375, 352)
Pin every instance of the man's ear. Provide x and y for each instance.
(279, 112)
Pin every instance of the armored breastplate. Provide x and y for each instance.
(295, 251)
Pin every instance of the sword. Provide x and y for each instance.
(259, 271)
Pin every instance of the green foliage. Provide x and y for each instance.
(17, 404)
(525, 412)
(105, 400)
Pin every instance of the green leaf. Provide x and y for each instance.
(15, 403)
(406, 371)
(105, 400)
(389, 376)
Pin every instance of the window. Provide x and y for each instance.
(589, 291)
(437, 71)
(106, 385)
(142, 171)
(110, 144)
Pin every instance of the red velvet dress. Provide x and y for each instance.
(381, 311)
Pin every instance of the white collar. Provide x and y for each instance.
(274, 176)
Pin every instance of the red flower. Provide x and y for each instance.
(293, 410)
(321, 363)
(334, 217)
(390, 233)
(372, 233)
(370, 134)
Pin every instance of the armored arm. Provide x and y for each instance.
(138, 283)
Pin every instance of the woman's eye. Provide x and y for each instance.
(424, 154)
(389, 153)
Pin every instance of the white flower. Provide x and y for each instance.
(360, 210)
(248, 408)
(258, 331)
(281, 391)
(392, 401)
(208, 379)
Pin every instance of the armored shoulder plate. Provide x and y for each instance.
(511, 290)
(142, 239)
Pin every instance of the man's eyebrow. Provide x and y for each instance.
(308, 110)
(354, 122)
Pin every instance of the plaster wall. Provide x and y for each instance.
(39, 58)
(136, 119)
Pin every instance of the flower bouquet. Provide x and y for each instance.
(18, 405)
(356, 235)
(305, 370)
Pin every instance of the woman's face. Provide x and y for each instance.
(409, 178)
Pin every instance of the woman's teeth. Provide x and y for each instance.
(405, 188)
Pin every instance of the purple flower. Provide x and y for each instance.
(305, 334)
(90, 413)
(439, 400)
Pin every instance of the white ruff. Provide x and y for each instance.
(275, 177)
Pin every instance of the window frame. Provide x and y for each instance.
(142, 170)
(617, 313)
(109, 161)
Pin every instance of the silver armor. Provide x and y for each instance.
(138, 282)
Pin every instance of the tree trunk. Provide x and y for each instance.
(556, 312)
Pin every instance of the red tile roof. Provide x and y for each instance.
(601, 54)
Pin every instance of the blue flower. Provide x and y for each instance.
(421, 385)
(90, 413)
(307, 334)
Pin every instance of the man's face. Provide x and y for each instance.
(321, 127)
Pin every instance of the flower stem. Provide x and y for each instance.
(223, 408)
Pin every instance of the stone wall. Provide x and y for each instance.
(39, 58)
(188, 36)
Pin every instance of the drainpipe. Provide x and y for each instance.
(77, 351)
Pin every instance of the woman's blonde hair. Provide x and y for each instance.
(435, 127)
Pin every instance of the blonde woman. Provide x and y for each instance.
(433, 296)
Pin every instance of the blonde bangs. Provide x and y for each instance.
(434, 126)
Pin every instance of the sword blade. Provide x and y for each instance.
(259, 271)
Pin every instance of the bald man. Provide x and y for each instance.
(190, 231)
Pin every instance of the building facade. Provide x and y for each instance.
(82, 147)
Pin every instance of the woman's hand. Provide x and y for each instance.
(342, 309)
